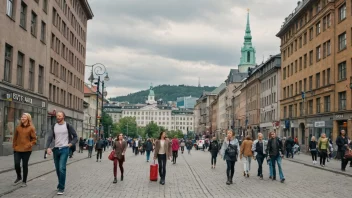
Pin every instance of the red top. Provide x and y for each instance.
(175, 145)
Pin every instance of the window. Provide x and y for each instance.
(318, 105)
(311, 33)
(310, 106)
(284, 76)
(318, 53)
(34, 24)
(300, 63)
(311, 57)
(342, 12)
(300, 109)
(23, 15)
(342, 41)
(43, 32)
(310, 83)
(305, 85)
(8, 63)
(328, 20)
(284, 93)
(328, 76)
(342, 100)
(305, 38)
(327, 103)
(41, 79)
(342, 71)
(20, 70)
(300, 86)
(296, 65)
(305, 60)
(285, 112)
(290, 109)
(300, 42)
(317, 28)
(324, 78)
(31, 74)
(9, 8)
(328, 48)
(317, 80)
(45, 5)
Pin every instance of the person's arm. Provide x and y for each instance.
(33, 137)
(241, 150)
(156, 149)
(74, 136)
(14, 141)
(124, 148)
(223, 149)
(209, 149)
(49, 139)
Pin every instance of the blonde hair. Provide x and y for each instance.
(313, 138)
(29, 119)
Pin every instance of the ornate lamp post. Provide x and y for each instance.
(98, 69)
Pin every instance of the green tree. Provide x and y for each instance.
(106, 122)
(128, 126)
(173, 133)
(152, 129)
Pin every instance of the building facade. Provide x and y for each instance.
(316, 58)
(90, 98)
(186, 102)
(27, 45)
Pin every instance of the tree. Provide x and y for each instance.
(177, 133)
(127, 126)
(107, 121)
(151, 130)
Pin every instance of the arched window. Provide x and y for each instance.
(248, 57)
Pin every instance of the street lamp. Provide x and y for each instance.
(98, 69)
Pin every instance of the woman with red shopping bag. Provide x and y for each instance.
(119, 147)
(163, 153)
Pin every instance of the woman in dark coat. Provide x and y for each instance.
(119, 147)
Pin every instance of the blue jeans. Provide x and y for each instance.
(270, 167)
(148, 155)
(60, 160)
(277, 159)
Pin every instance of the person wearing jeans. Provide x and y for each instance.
(163, 153)
(275, 152)
(90, 144)
(23, 141)
(148, 148)
(64, 136)
(99, 148)
(342, 145)
(229, 151)
(259, 149)
(323, 146)
(247, 153)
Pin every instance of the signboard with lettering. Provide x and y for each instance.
(18, 98)
(319, 124)
(21, 98)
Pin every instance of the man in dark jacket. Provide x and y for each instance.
(275, 152)
(289, 146)
(99, 148)
(214, 150)
(148, 148)
(342, 145)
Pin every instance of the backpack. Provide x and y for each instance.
(231, 150)
(214, 146)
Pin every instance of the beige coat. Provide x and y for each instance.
(119, 148)
(167, 147)
(246, 149)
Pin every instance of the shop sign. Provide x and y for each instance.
(19, 98)
(309, 125)
(319, 124)
(339, 116)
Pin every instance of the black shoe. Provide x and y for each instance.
(121, 177)
(344, 170)
(244, 173)
(274, 178)
(271, 177)
(163, 182)
(97, 160)
(115, 180)
(228, 182)
(17, 181)
(283, 180)
(261, 177)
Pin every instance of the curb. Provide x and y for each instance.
(321, 168)
(34, 163)
(41, 175)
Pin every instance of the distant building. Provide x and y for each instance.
(114, 111)
(186, 102)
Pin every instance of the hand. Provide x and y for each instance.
(69, 145)
(123, 153)
(49, 151)
(169, 158)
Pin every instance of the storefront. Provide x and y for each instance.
(342, 121)
(12, 106)
(320, 125)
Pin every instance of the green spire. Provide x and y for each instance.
(151, 91)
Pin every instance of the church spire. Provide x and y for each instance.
(248, 36)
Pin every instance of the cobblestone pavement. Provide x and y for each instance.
(190, 177)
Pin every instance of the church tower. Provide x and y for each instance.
(151, 96)
(247, 51)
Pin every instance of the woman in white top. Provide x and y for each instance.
(162, 152)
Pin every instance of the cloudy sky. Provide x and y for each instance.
(176, 41)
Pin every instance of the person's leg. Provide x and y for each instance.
(215, 156)
(324, 157)
(273, 161)
(148, 155)
(121, 169)
(160, 166)
(101, 153)
(312, 153)
(232, 171)
(17, 159)
(281, 174)
(164, 167)
(321, 158)
(270, 168)
(25, 159)
(56, 156)
(228, 171)
(62, 167)
(115, 167)
(260, 167)
(249, 163)
(287, 152)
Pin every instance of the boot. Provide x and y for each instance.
(115, 180)
(121, 177)
(231, 179)
(228, 180)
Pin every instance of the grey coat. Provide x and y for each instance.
(225, 144)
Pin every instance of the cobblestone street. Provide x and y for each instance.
(190, 177)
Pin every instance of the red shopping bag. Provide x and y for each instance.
(112, 155)
(154, 172)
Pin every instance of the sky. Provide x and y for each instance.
(178, 41)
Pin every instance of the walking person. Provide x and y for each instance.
(90, 144)
(119, 147)
(342, 145)
(136, 147)
(275, 152)
(162, 153)
(175, 147)
(99, 146)
(64, 136)
(259, 148)
(313, 149)
(183, 144)
(148, 148)
(214, 150)
(132, 143)
(323, 146)
(229, 151)
(247, 153)
(289, 143)
(23, 140)
(268, 160)
(81, 145)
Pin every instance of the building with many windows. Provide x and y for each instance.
(43, 55)
(316, 69)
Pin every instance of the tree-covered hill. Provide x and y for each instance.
(164, 92)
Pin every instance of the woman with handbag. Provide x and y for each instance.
(229, 151)
(323, 145)
(313, 149)
(163, 153)
(119, 148)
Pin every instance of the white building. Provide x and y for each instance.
(90, 99)
(114, 111)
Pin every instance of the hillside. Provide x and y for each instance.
(165, 92)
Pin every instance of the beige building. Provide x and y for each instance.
(316, 58)
(90, 99)
(221, 113)
(42, 42)
(214, 116)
